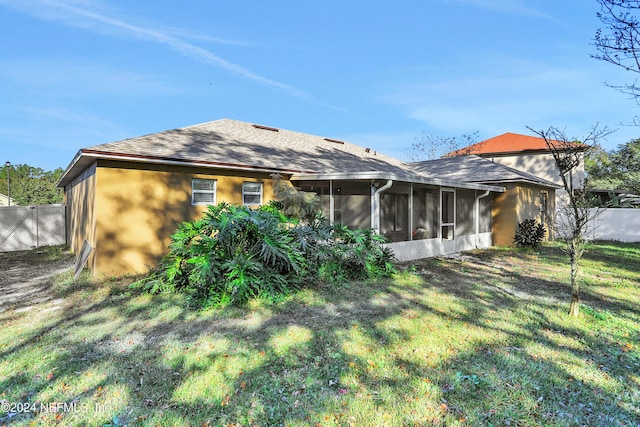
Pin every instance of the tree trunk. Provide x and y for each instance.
(574, 309)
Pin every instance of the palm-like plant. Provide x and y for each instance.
(235, 253)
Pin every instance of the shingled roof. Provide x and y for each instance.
(235, 144)
(476, 169)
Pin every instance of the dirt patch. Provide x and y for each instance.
(27, 277)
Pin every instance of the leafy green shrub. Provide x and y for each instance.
(361, 254)
(231, 254)
(236, 253)
(338, 253)
(529, 233)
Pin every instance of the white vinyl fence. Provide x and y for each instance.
(28, 227)
(621, 224)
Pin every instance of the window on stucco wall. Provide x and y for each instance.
(203, 191)
(252, 193)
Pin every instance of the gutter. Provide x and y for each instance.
(380, 175)
(93, 155)
(481, 196)
(375, 205)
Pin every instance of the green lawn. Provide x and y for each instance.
(479, 340)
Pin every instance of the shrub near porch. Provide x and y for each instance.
(235, 253)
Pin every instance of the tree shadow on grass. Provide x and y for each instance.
(619, 254)
(467, 343)
(22, 284)
(526, 277)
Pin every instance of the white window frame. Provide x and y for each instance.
(444, 224)
(252, 193)
(195, 191)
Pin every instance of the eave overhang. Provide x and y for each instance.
(379, 175)
(84, 158)
(547, 184)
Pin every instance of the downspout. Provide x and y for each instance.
(375, 205)
(332, 203)
(482, 196)
(411, 228)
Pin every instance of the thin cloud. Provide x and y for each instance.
(78, 79)
(78, 14)
(188, 34)
(509, 102)
(511, 7)
(63, 114)
(28, 122)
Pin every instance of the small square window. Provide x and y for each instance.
(203, 191)
(252, 193)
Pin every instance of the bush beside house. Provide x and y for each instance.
(235, 253)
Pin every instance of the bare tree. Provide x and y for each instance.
(619, 42)
(431, 147)
(577, 212)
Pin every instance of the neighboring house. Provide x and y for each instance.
(526, 197)
(525, 153)
(4, 200)
(126, 198)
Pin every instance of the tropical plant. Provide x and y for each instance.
(361, 253)
(529, 233)
(235, 253)
(230, 255)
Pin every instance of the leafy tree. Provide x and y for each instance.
(600, 170)
(615, 170)
(574, 214)
(627, 163)
(31, 185)
(618, 42)
(431, 147)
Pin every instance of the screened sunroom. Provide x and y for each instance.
(419, 216)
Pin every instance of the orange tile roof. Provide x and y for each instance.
(505, 143)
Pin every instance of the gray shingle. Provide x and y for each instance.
(241, 144)
(475, 169)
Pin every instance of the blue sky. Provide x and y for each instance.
(76, 73)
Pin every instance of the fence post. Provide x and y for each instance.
(34, 225)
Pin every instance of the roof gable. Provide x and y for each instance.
(505, 144)
(476, 169)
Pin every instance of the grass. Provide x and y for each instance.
(483, 339)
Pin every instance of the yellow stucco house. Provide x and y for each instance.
(124, 199)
